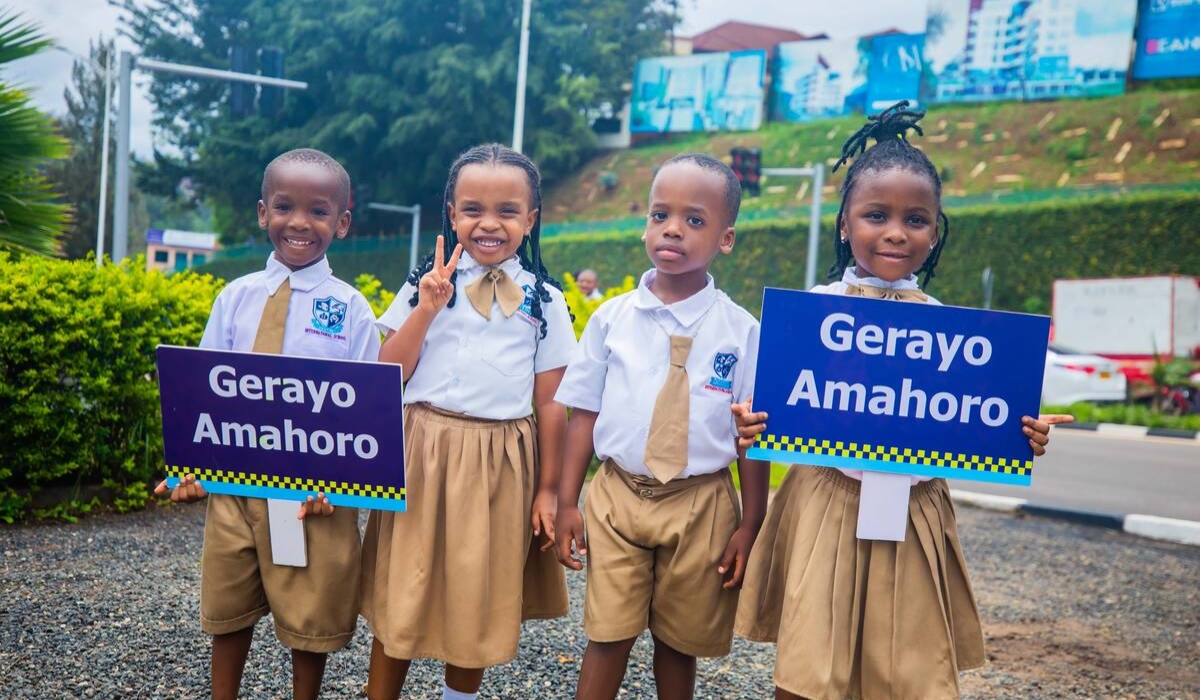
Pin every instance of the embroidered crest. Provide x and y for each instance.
(723, 363)
(329, 314)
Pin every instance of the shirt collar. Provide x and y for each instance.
(471, 267)
(303, 280)
(686, 311)
(850, 276)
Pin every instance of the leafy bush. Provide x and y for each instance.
(77, 379)
(1126, 414)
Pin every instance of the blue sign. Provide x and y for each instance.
(701, 92)
(898, 387)
(1168, 39)
(894, 72)
(273, 426)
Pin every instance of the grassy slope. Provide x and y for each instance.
(1021, 146)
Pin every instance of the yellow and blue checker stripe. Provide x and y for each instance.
(345, 493)
(902, 460)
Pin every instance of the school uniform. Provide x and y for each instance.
(316, 315)
(453, 578)
(864, 619)
(654, 544)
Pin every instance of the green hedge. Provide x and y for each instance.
(1027, 247)
(77, 385)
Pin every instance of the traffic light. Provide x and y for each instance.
(747, 166)
(270, 99)
(241, 95)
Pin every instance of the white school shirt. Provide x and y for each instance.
(621, 364)
(327, 318)
(480, 367)
(849, 277)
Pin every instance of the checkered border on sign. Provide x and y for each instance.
(899, 455)
(342, 488)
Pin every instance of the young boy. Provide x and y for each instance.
(652, 382)
(315, 608)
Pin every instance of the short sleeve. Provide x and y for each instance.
(398, 312)
(364, 338)
(217, 335)
(744, 387)
(583, 384)
(556, 348)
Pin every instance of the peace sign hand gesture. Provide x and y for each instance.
(436, 288)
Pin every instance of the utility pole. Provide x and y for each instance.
(518, 139)
(128, 63)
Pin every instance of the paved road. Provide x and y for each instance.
(1089, 471)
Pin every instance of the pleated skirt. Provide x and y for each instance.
(863, 619)
(454, 576)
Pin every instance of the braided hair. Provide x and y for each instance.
(889, 129)
(530, 251)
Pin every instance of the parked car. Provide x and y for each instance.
(1075, 376)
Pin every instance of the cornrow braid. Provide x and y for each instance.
(530, 251)
(889, 129)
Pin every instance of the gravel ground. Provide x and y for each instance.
(108, 608)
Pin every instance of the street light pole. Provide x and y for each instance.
(518, 139)
(100, 225)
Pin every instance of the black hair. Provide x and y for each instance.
(892, 150)
(733, 188)
(530, 251)
(311, 156)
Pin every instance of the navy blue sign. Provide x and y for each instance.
(272, 426)
(1168, 39)
(898, 387)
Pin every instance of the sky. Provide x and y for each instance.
(74, 23)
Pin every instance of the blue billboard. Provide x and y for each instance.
(701, 92)
(1168, 39)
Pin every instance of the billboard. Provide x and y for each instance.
(1168, 39)
(825, 78)
(701, 92)
(984, 50)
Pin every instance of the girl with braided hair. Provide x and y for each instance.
(483, 336)
(869, 619)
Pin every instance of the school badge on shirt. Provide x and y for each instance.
(720, 382)
(329, 317)
(526, 309)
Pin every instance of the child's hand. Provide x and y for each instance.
(749, 424)
(315, 506)
(545, 509)
(436, 288)
(1038, 431)
(188, 490)
(737, 553)
(569, 526)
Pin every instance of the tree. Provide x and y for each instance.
(397, 88)
(30, 219)
(78, 176)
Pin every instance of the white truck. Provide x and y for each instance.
(1129, 319)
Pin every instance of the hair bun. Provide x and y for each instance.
(893, 122)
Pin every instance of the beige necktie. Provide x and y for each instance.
(863, 290)
(667, 442)
(495, 285)
(274, 320)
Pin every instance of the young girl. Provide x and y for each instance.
(482, 338)
(874, 620)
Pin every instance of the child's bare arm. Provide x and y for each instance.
(404, 345)
(577, 455)
(754, 475)
(551, 428)
(749, 423)
(188, 490)
(1038, 430)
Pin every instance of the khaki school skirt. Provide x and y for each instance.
(864, 619)
(453, 577)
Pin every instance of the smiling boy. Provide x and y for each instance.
(652, 381)
(293, 307)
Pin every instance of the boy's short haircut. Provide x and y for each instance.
(733, 188)
(313, 157)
